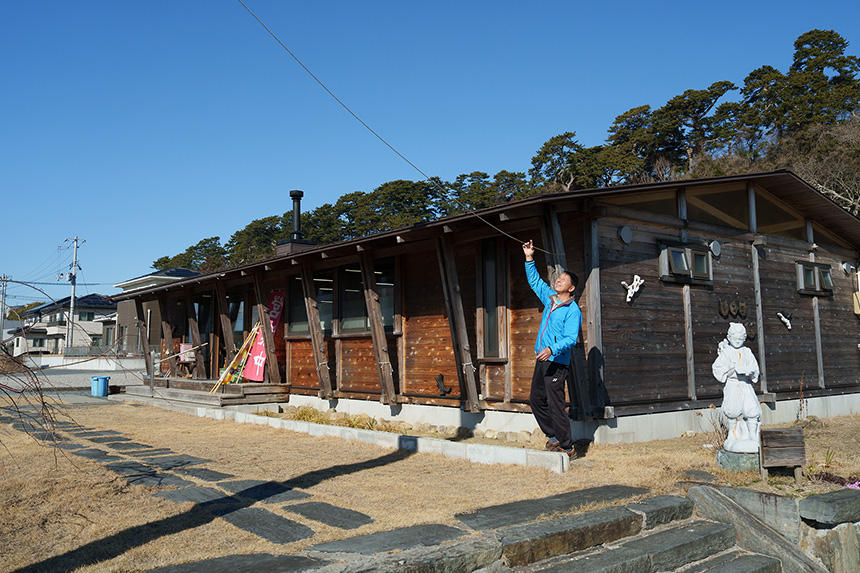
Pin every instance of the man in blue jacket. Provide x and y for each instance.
(559, 329)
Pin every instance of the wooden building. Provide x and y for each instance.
(441, 314)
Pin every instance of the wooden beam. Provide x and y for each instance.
(167, 335)
(756, 274)
(688, 342)
(194, 331)
(226, 324)
(594, 343)
(816, 316)
(457, 320)
(377, 331)
(317, 338)
(266, 328)
(144, 339)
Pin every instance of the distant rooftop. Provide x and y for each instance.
(158, 277)
(90, 301)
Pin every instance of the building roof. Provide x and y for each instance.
(91, 301)
(783, 184)
(158, 277)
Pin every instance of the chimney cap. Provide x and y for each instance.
(296, 194)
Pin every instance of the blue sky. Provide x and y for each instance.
(145, 126)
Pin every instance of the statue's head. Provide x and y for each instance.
(737, 334)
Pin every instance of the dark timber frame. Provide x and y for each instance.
(377, 330)
(167, 334)
(266, 327)
(194, 331)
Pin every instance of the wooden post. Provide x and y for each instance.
(194, 331)
(167, 334)
(816, 317)
(594, 347)
(377, 331)
(457, 317)
(317, 338)
(759, 313)
(226, 325)
(688, 342)
(266, 328)
(144, 339)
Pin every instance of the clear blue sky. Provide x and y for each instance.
(145, 126)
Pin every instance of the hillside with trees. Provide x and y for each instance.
(806, 119)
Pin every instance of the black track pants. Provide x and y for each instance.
(548, 402)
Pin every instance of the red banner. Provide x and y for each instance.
(255, 366)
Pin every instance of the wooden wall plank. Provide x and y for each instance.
(166, 334)
(144, 339)
(199, 370)
(226, 324)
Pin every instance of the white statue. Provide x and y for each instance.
(737, 369)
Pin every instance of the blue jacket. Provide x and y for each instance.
(559, 326)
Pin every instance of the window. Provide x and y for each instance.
(814, 278)
(490, 297)
(685, 264)
(109, 335)
(353, 308)
(298, 318)
(726, 205)
(38, 343)
(86, 315)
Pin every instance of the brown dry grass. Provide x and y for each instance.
(54, 504)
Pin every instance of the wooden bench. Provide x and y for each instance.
(781, 448)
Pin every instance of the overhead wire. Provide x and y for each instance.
(377, 135)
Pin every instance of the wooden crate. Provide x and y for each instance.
(782, 447)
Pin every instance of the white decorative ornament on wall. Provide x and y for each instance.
(786, 320)
(633, 287)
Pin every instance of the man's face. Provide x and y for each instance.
(563, 284)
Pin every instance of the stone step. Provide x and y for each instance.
(683, 544)
(665, 550)
(736, 561)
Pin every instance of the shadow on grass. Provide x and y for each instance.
(201, 514)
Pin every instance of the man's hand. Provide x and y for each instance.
(544, 354)
(529, 250)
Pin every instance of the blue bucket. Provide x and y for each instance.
(99, 385)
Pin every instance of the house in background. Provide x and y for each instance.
(47, 327)
(128, 336)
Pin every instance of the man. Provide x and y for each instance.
(559, 329)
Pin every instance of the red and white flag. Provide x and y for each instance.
(256, 364)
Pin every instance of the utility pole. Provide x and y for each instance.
(73, 278)
(3, 280)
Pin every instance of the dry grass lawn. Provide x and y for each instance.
(53, 503)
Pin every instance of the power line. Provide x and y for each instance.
(371, 130)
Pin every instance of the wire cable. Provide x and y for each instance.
(371, 130)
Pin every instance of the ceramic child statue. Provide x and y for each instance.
(737, 369)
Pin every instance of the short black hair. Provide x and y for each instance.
(574, 280)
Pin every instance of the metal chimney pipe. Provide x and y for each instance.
(297, 234)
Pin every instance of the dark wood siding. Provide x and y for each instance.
(524, 320)
(644, 346)
(790, 354)
(301, 368)
(840, 328)
(733, 285)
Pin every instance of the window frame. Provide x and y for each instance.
(819, 270)
(502, 303)
(669, 271)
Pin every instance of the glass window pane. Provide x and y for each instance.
(678, 262)
(772, 219)
(809, 278)
(298, 316)
(700, 264)
(719, 205)
(826, 279)
(384, 271)
(325, 300)
(491, 320)
(661, 202)
(353, 311)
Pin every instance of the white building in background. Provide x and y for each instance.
(46, 327)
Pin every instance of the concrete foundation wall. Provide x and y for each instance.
(641, 428)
